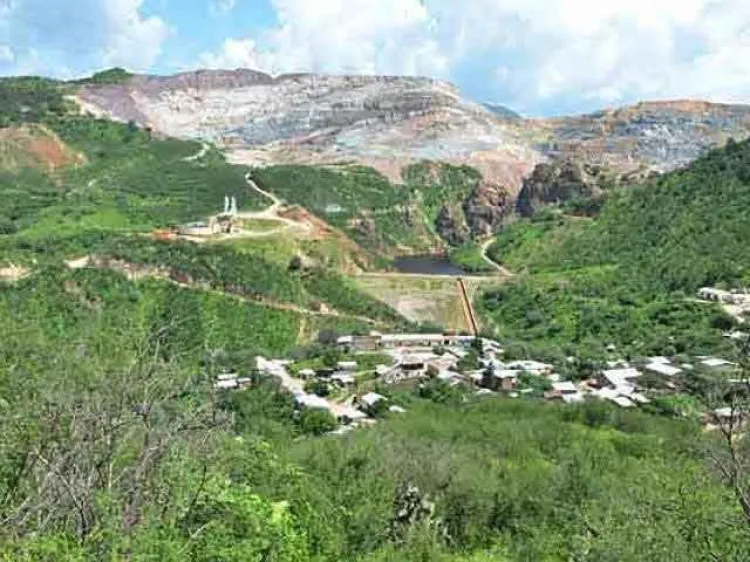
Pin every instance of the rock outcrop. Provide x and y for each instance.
(451, 226)
(553, 184)
(486, 209)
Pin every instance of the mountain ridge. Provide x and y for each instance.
(388, 122)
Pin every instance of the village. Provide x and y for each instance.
(354, 382)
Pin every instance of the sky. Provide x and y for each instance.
(539, 57)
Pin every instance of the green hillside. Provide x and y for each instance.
(96, 369)
(115, 444)
(678, 232)
(627, 277)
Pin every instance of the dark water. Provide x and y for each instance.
(427, 265)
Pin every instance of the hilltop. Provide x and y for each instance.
(389, 122)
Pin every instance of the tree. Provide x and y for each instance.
(316, 421)
(106, 435)
(317, 387)
(729, 407)
(470, 362)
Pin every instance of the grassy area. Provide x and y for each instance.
(469, 258)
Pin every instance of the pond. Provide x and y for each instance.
(427, 265)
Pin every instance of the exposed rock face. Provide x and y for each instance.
(553, 184)
(389, 122)
(378, 121)
(486, 209)
(451, 226)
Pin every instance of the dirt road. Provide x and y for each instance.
(496, 266)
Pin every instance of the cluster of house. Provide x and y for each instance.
(351, 412)
(438, 356)
(736, 296)
(619, 383)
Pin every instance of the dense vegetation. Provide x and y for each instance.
(680, 231)
(627, 277)
(377, 213)
(118, 376)
(115, 446)
(131, 180)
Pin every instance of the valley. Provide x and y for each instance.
(418, 328)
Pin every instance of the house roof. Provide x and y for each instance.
(716, 362)
(659, 359)
(573, 398)
(372, 398)
(620, 377)
(528, 366)
(663, 369)
(565, 387)
(313, 401)
(507, 374)
(413, 338)
(226, 384)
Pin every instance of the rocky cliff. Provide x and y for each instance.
(389, 122)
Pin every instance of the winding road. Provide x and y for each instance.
(485, 255)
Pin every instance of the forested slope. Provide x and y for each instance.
(627, 276)
(114, 446)
(683, 230)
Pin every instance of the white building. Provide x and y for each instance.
(621, 377)
(312, 401)
(343, 379)
(716, 363)
(664, 369)
(568, 391)
(533, 367)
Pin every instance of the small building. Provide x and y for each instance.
(506, 379)
(347, 366)
(664, 369)
(717, 364)
(370, 401)
(736, 335)
(226, 385)
(727, 416)
(227, 381)
(359, 343)
(412, 363)
(343, 380)
(349, 415)
(614, 395)
(620, 377)
(659, 359)
(382, 370)
(568, 392)
(533, 367)
(312, 401)
(306, 374)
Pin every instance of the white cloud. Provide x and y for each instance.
(219, 8)
(340, 36)
(6, 54)
(529, 53)
(558, 52)
(81, 36)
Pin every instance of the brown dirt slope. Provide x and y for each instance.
(35, 146)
